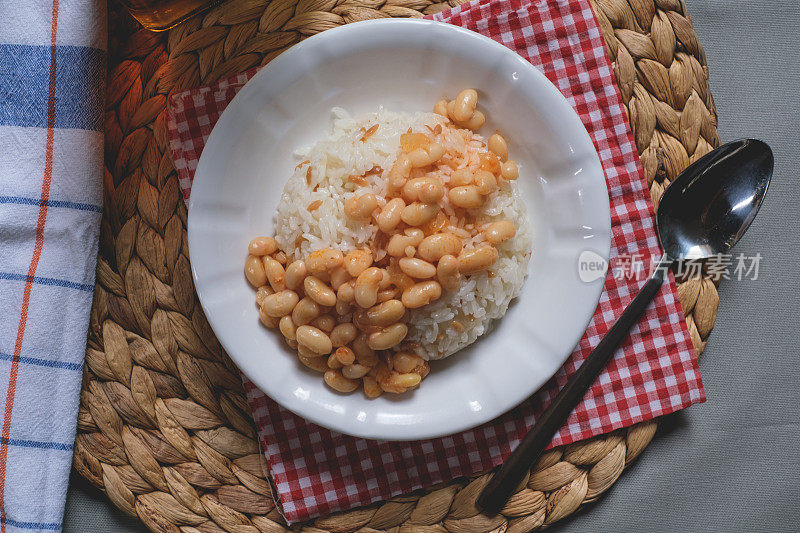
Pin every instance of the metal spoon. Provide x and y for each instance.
(704, 212)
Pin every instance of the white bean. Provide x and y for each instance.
(343, 334)
(447, 272)
(405, 362)
(254, 271)
(281, 303)
(365, 355)
(314, 339)
(422, 157)
(305, 311)
(399, 243)
(295, 274)
(421, 294)
(400, 171)
(323, 260)
(345, 355)
(464, 105)
(467, 197)
(366, 289)
(417, 268)
(390, 215)
(388, 337)
(314, 362)
(485, 182)
(475, 122)
(355, 371)
(262, 246)
(288, 328)
(338, 382)
(317, 290)
(276, 275)
(361, 207)
(346, 293)
(426, 190)
(418, 214)
(509, 170)
(371, 387)
(461, 177)
(384, 314)
(324, 322)
(433, 247)
(497, 144)
(339, 276)
(470, 261)
(357, 262)
(500, 231)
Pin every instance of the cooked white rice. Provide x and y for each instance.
(478, 300)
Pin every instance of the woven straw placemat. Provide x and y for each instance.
(163, 428)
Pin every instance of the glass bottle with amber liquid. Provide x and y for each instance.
(158, 15)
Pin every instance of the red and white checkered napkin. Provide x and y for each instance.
(317, 471)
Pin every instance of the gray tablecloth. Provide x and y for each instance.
(732, 463)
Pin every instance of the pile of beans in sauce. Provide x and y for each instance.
(343, 313)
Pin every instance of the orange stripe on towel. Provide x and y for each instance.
(37, 253)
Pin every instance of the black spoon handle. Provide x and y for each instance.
(511, 473)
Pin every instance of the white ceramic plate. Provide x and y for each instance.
(404, 65)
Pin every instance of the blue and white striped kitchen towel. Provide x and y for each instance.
(52, 73)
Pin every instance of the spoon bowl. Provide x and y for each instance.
(710, 205)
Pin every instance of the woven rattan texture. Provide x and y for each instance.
(163, 426)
